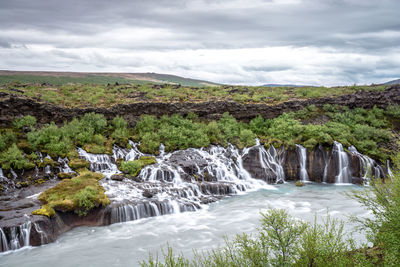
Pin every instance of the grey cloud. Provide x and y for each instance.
(72, 29)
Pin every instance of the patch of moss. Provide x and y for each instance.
(23, 184)
(66, 175)
(40, 181)
(24, 146)
(45, 210)
(79, 194)
(76, 164)
(299, 183)
(47, 161)
(134, 167)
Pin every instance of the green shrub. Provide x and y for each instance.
(14, 158)
(26, 121)
(134, 167)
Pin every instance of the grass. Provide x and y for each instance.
(86, 94)
(79, 194)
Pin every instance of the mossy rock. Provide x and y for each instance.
(23, 184)
(79, 194)
(66, 175)
(24, 146)
(47, 161)
(134, 167)
(40, 181)
(76, 164)
(300, 183)
(45, 210)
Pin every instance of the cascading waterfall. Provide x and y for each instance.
(3, 243)
(302, 151)
(18, 237)
(64, 167)
(369, 166)
(99, 163)
(389, 170)
(166, 188)
(344, 174)
(269, 160)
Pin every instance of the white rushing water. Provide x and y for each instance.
(124, 244)
(303, 162)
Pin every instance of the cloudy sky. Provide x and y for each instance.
(318, 42)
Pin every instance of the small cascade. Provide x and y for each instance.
(127, 154)
(344, 172)
(142, 210)
(269, 160)
(42, 234)
(369, 166)
(14, 174)
(389, 170)
(99, 163)
(17, 237)
(3, 243)
(64, 167)
(302, 152)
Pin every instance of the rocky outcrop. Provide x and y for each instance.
(12, 106)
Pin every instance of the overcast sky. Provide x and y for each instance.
(325, 42)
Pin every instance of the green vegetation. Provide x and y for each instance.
(90, 93)
(134, 167)
(26, 121)
(281, 241)
(368, 130)
(79, 194)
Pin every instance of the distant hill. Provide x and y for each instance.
(95, 77)
(393, 82)
(283, 85)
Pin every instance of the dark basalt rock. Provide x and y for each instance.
(316, 161)
(117, 177)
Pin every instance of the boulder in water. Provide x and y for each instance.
(300, 183)
(117, 177)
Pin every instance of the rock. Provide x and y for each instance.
(300, 184)
(280, 182)
(66, 175)
(117, 177)
(148, 194)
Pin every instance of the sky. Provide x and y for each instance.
(253, 42)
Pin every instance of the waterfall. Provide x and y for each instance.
(344, 173)
(389, 170)
(99, 163)
(64, 167)
(19, 236)
(269, 160)
(302, 151)
(3, 243)
(369, 166)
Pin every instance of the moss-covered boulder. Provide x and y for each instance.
(66, 175)
(300, 183)
(134, 167)
(79, 194)
(77, 164)
(45, 210)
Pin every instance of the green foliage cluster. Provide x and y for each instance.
(134, 167)
(365, 129)
(177, 132)
(14, 158)
(281, 241)
(25, 121)
(58, 141)
(79, 194)
(383, 229)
